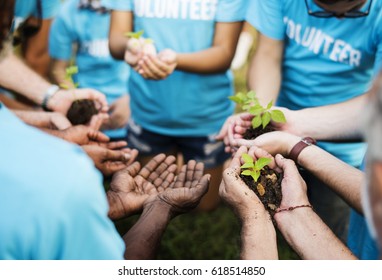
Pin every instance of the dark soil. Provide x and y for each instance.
(252, 133)
(267, 188)
(81, 111)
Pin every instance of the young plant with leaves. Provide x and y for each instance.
(263, 115)
(253, 168)
(137, 43)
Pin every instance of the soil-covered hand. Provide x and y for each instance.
(83, 135)
(132, 186)
(158, 67)
(110, 161)
(186, 192)
(119, 114)
(293, 186)
(236, 193)
(63, 99)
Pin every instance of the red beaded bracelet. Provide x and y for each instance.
(292, 208)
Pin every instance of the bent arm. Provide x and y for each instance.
(264, 74)
(218, 58)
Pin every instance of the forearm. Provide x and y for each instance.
(332, 122)
(258, 240)
(38, 119)
(120, 24)
(143, 239)
(213, 60)
(264, 78)
(325, 166)
(308, 235)
(26, 82)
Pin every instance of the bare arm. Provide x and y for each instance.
(218, 58)
(120, 23)
(308, 235)
(320, 163)
(264, 74)
(35, 49)
(302, 228)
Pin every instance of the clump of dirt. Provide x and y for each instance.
(252, 133)
(81, 111)
(267, 188)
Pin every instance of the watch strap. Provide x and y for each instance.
(301, 145)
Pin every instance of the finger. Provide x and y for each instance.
(190, 173)
(148, 70)
(169, 174)
(162, 66)
(181, 178)
(112, 167)
(202, 187)
(111, 155)
(236, 161)
(288, 166)
(152, 165)
(161, 168)
(169, 179)
(92, 94)
(133, 156)
(132, 169)
(198, 173)
(117, 145)
(97, 121)
(231, 138)
(98, 136)
(257, 153)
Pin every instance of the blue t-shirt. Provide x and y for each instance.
(52, 202)
(184, 104)
(326, 60)
(97, 69)
(27, 8)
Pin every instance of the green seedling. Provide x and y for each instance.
(69, 73)
(263, 115)
(137, 43)
(253, 168)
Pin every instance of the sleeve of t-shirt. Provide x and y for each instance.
(267, 17)
(49, 8)
(61, 37)
(231, 10)
(120, 5)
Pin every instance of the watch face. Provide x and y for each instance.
(309, 141)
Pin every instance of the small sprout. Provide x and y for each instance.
(137, 43)
(263, 116)
(252, 168)
(135, 35)
(69, 73)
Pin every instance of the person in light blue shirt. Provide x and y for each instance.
(315, 53)
(179, 96)
(86, 25)
(55, 209)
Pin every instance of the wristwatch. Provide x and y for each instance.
(302, 144)
(48, 94)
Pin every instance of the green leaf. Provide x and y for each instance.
(262, 162)
(247, 158)
(71, 70)
(251, 94)
(247, 165)
(270, 104)
(255, 175)
(246, 173)
(265, 119)
(235, 99)
(256, 121)
(64, 86)
(278, 116)
(256, 110)
(135, 35)
(76, 85)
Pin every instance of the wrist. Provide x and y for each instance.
(299, 147)
(296, 213)
(48, 94)
(116, 208)
(162, 208)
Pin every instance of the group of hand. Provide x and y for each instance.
(274, 145)
(134, 188)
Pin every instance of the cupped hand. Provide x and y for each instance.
(132, 186)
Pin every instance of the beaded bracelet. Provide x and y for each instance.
(292, 208)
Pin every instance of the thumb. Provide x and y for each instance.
(287, 165)
(117, 156)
